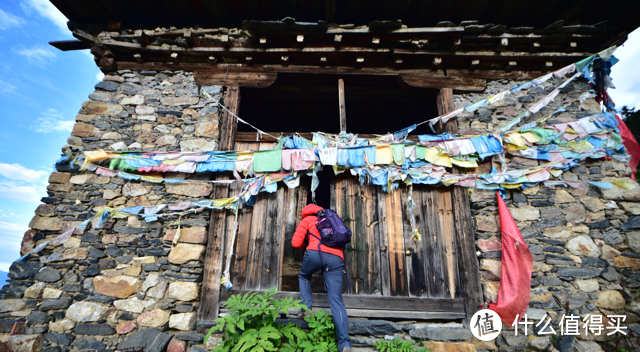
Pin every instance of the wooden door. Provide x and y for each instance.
(383, 258)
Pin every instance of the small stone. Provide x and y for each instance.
(36, 318)
(81, 129)
(137, 99)
(167, 139)
(118, 287)
(184, 291)
(181, 100)
(563, 197)
(155, 318)
(207, 129)
(63, 177)
(73, 242)
(610, 300)
(197, 145)
(133, 305)
(183, 321)
(632, 208)
(24, 270)
(619, 193)
(588, 285)
(61, 326)
(94, 329)
(107, 86)
(11, 305)
(633, 239)
(575, 214)
(95, 253)
(593, 204)
(133, 270)
(75, 254)
(51, 293)
(158, 291)
(189, 234)
(490, 290)
(145, 110)
(183, 253)
(486, 223)
(610, 274)
(46, 223)
(494, 266)
(125, 327)
(152, 280)
(583, 246)
(609, 252)
(526, 213)
(577, 273)
(176, 346)
(489, 245)
(34, 291)
(55, 304)
(82, 312)
(153, 340)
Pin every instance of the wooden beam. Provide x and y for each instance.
(328, 70)
(455, 82)
(342, 106)
(68, 45)
(374, 302)
(210, 305)
(236, 78)
(251, 136)
(464, 229)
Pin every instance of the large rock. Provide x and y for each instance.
(59, 177)
(629, 207)
(441, 332)
(81, 129)
(593, 204)
(11, 305)
(182, 321)
(577, 273)
(184, 252)
(183, 291)
(189, 235)
(177, 346)
(619, 193)
(94, 329)
(486, 223)
(151, 340)
(99, 108)
(207, 129)
(125, 327)
(195, 190)
(563, 196)
(583, 246)
(81, 179)
(526, 213)
(24, 270)
(134, 190)
(27, 244)
(133, 305)
(373, 327)
(610, 300)
(575, 213)
(20, 343)
(155, 318)
(48, 275)
(46, 223)
(627, 262)
(55, 304)
(34, 291)
(84, 312)
(117, 286)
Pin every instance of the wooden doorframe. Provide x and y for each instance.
(464, 228)
(214, 254)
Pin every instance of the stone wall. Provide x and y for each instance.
(103, 287)
(120, 287)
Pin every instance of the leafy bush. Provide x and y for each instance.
(251, 326)
(398, 345)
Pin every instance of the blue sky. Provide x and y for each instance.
(41, 90)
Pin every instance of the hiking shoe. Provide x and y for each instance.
(305, 314)
(346, 349)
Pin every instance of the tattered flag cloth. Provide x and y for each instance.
(517, 264)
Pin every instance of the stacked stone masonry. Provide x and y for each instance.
(122, 287)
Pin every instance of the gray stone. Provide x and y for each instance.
(60, 339)
(24, 270)
(373, 327)
(576, 299)
(36, 318)
(550, 281)
(577, 273)
(108, 86)
(196, 349)
(55, 304)
(95, 253)
(440, 332)
(194, 336)
(94, 329)
(610, 274)
(518, 197)
(124, 259)
(114, 251)
(600, 225)
(152, 340)
(12, 291)
(89, 237)
(595, 262)
(88, 343)
(512, 340)
(91, 271)
(546, 223)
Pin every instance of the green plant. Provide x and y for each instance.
(251, 326)
(321, 336)
(398, 345)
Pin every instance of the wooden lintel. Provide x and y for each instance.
(236, 78)
(459, 83)
(328, 70)
(68, 45)
(251, 136)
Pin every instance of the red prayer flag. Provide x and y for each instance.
(632, 146)
(517, 264)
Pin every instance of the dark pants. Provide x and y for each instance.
(333, 281)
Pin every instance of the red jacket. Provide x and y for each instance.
(308, 223)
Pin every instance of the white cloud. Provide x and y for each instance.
(52, 121)
(625, 74)
(6, 87)
(99, 76)
(38, 55)
(22, 192)
(8, 20)
(46, 9)
(21, 173)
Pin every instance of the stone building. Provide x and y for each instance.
(122, 285)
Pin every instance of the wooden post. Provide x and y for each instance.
(214, 255)
(343, 108)
(469, 272)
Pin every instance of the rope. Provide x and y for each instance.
(226, 278)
